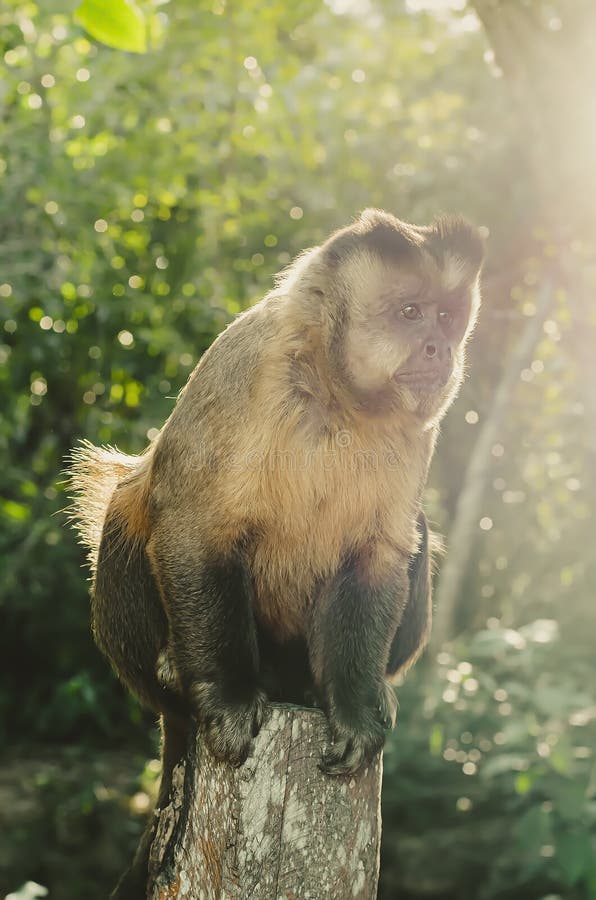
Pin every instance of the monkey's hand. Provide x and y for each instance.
(357, 736)
(229, 725)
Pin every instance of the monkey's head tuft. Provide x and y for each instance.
(404, 299)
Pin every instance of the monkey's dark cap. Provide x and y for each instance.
(377, 231)
(393, 240)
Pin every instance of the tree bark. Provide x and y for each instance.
(547, 52)
(277, 827)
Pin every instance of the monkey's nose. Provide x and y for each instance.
(430, 351)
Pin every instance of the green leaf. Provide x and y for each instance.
(503, 763)
(574, 854)
(532, 831)
(523, 783)
(114, 22)
(569, 798)
(14, 510)
(436, 740)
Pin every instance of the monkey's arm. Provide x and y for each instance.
(208, 599)
(349, 644)
(414, 628)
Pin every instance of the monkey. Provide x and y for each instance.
(270, 542)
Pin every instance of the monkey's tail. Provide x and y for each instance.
(175, 734)
(94, 473)
(414, 630)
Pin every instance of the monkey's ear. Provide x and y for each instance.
(454, 237)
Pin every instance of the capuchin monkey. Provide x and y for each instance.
(270, 542)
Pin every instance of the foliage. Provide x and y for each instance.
(115, 22)
(134, 225)
(74, 820)
(506, 800)
(147, 198)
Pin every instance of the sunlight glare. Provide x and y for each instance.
(436, 6)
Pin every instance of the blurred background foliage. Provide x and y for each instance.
(148, 197)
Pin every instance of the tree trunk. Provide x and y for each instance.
(277, 827)
(547, 52)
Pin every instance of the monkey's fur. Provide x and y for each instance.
(270, 541)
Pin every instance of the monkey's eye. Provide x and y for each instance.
(412, 311)
(445, 317)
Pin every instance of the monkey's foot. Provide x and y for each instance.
(388, 706)
(229, 726)
(353, 745)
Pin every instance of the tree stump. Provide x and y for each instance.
(275, 828)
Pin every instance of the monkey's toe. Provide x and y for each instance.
(351, 749)
(229, 727)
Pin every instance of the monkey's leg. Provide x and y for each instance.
(213, 638)
(349, 644)
(414, 628)
(129, 623)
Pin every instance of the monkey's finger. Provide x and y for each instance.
(388, 707)
(386, 721)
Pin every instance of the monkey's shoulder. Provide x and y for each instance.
(228, 367)
(217, 396)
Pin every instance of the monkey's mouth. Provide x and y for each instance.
(423, 379)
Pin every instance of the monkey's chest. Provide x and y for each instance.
(308, 520)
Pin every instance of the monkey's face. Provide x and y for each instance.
(408, 325)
